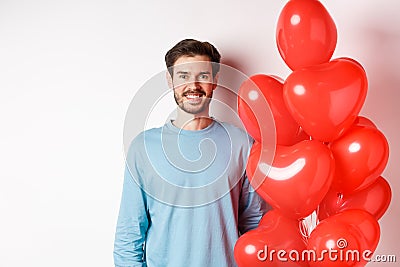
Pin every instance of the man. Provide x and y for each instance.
(186, 198)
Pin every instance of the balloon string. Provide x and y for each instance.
(308, 224)
(316, 216)
(339, 198)
(303, 229)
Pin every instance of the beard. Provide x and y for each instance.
(194, 106)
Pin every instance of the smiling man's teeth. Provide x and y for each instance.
(192, 96)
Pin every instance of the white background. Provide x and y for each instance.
(68, 71)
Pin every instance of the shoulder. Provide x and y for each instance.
(145, 136)
(138, 144)
(237, 134)
(241, 142)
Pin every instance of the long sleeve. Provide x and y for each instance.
(132, 225)
(251, 207)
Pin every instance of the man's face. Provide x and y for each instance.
(193, 83)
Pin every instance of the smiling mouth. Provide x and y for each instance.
(193, 95)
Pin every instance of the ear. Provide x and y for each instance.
(215, 81)
(169, 80)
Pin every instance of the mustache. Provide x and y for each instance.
(197, 91)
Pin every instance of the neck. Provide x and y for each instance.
(192, 122)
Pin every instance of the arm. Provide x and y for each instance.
(132, 225)
(251, 207)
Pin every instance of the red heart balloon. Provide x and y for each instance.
(275, 233)
(364, 121)
(326, 99)
(374, 199)
(288, 132)
(332, 236)
(306, 34)
(248, 248)
(361, 156)
(254, 109)
(351, 236)
(296, 181)
(364, 223)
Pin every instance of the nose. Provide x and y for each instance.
(193, 84)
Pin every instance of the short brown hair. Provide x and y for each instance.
(191, 48)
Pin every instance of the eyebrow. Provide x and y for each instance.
(186, 72)
(182, 72)
(205, 72)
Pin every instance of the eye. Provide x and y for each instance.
(203, 76)
(183, 76)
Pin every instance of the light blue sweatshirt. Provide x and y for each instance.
(186, 198)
